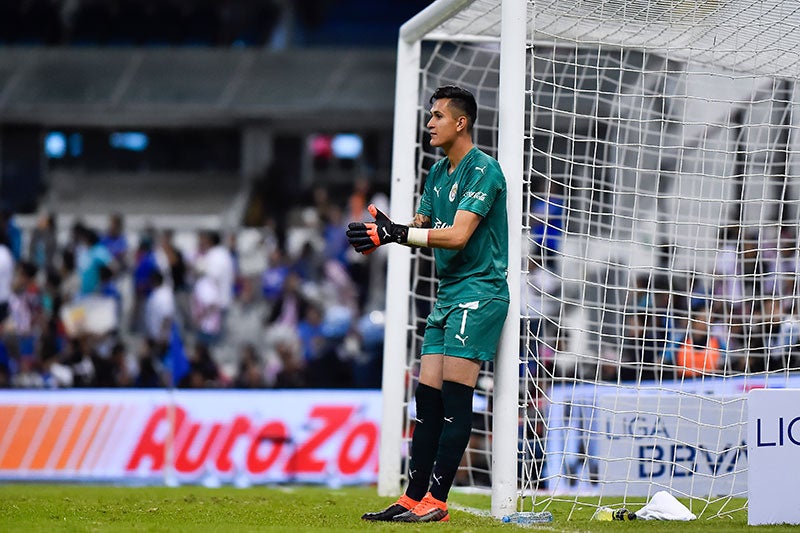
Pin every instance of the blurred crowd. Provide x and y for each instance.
(87, 306)
(740, 315)
(290, 304)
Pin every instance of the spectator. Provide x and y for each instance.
(206, 309)
(753, 266)
(332, 368)
(292, 367)
(115, 242)
(80, 359)
(309, 331)
(104, 371)
(547, 224)
(159, 312)
(70, 285)
(540, 298)
(251, 372)
(172, 262)
(144, 266)
(337, 247)
(203, 372)
(701, 352)
(290, 306)
(25, 308)
(92, 256)
(43, 246)
(274, 277)
(773, 336)
(150, 367)
(109, 289)
(338, 287)
(308, 265)
(784, 267)
(218, 264)
(368, 365)
(728, 283)
(641, 351)
(124, 366)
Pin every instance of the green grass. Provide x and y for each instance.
(34, 508)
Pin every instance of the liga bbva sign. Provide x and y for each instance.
(773, 444)
(691, 440)
(201, 437)
(694, 445)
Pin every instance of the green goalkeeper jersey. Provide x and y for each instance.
(476, 185)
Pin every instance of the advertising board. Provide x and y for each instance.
(203, 437)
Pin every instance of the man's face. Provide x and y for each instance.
(444, 123)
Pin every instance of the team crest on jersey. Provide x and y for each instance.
(453, 191)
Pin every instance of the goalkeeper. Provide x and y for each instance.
(462, 216)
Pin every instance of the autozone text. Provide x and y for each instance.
(267, 445)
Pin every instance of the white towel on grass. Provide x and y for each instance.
(664, 506)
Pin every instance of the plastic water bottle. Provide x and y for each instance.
(607, 514)
(530, 517)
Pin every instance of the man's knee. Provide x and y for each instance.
(461, 370)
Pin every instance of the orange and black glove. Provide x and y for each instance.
(365, 237)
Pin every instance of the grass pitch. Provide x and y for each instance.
(46, 508)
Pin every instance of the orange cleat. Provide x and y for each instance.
(402, 505)
(428, 510)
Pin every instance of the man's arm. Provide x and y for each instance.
(365, 237)
(456, 236)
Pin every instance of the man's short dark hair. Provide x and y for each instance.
(461, 99)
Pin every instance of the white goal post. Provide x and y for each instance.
(409, 100)
(652, 153)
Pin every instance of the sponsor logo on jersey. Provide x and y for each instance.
(439, 224)
(437, 190)
(482, 169)
(453, 191)
(477, 195)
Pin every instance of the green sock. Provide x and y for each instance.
(424, 440)
(457, 399)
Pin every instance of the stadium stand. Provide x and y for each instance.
(178, 117)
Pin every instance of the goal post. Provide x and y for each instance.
(408, 119)
(654, 150)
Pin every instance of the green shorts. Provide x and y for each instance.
(467, 329)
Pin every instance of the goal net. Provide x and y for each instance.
(658, 235)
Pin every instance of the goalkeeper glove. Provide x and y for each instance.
(365, 237)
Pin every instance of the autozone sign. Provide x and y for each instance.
(208, 437)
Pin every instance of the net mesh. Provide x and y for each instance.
(475, 67)
(660, 240)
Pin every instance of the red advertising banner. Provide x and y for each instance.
(202, 437)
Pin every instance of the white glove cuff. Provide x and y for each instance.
(418, 236)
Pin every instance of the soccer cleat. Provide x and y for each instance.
(402, 505)
(428, 510)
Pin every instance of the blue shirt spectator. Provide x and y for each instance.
(90, 260)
